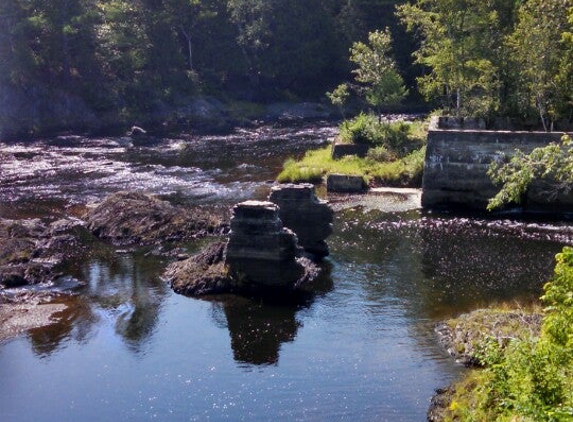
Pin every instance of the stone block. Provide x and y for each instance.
(343, 183)
(302, 212)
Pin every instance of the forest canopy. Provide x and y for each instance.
(135, 57)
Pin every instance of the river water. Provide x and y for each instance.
(359, 347)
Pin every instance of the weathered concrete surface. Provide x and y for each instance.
(343, 183)
(456, 164)
(261, 255)
(340, 150)
(260, 250)
(306, 215)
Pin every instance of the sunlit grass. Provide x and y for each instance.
(316, 164)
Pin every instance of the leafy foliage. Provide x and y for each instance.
(552, 164)
(376, 72)
(531, 379)
(382, 84)
(463, 48)
(544, 57)
(495, 57)
(398, 137)
(396, 159)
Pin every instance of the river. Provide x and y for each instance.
(360, 347)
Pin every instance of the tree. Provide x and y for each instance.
(185, 16)
(339, 96)
(381, 84)
(462, 46)
(377, 70)
(251, 19)
(552, 164)
(544, 56)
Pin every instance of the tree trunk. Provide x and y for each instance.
(187, 35)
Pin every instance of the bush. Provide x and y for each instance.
(399, 138)
(531, 379)
(360, 130)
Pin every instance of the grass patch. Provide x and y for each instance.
(406, 171)
(395, 158)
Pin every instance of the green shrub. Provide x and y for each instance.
(360, 130)
(399, 138)
(381, 153)
(531, 379)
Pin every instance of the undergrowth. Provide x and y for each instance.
(395, 156)
(531, 378)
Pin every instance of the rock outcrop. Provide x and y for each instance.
(261, 255)
(31, 250)
(302, 212)
(138, 218)
(202, 274)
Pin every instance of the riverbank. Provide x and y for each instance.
(57, 114)
(523, 359)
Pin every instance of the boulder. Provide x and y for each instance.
(343, 183)
(340, 150)
(306, 215)
(202, 274)
(138, 218)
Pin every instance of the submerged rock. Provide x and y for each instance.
(261, 255)
(306, 215)
(138, 218)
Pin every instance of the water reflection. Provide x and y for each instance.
(124, 289)
(258, 330)
(259, 327)
(441, 268)
(75, 322)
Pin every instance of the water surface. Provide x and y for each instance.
(358, 346)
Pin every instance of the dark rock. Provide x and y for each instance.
(439, 404)
(343, 183)
(302, 212)
(140, 137)
(202, 274)
(340, 150)
(30, 250)
(138, 218)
